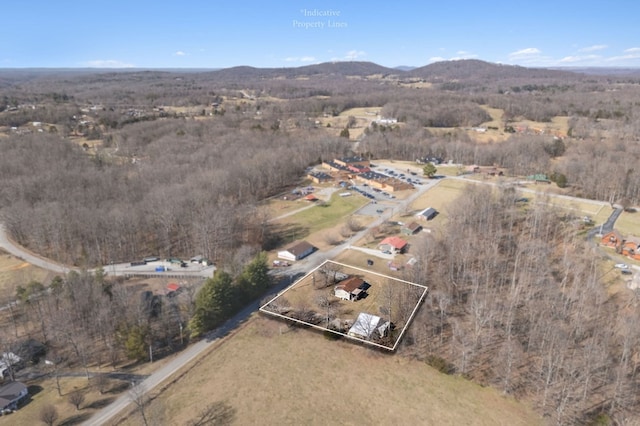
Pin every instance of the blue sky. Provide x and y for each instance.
(287, 33)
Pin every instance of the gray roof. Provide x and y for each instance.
(10, 393)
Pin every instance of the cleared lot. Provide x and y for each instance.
(274, 374)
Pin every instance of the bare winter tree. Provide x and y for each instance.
(76, 399)
(216, 413)
(138, 396)
(48, 415)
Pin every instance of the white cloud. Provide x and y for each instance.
(436, 59)
(529, 51)
(180, 53)
(108, 63)
(578, 58)
(593, 48)
(354, 54)
(300, 59)
(632, 50)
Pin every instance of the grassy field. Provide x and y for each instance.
(628, 224)
(273, 374)
(45, 393)
(14, 272)
(328, 215)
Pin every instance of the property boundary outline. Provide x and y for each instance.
(355, 339)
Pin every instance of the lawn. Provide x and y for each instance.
(14, 272)
(44, 393)
(271, 373)
(628, 224)
(326, 215)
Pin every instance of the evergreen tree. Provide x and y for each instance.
(255, 278)
(215, 302)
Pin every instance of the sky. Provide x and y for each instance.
(291, 33)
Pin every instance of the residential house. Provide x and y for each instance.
(366, 325)
(411, 229)
(392, 245)
(631, 247)
(427, 214)
(12, 395)
(353, 288)
(612, 239)
(297, 251)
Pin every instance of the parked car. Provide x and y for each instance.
(621, 266)
(626, 271)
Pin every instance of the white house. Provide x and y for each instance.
(351, 288)
(297, 251)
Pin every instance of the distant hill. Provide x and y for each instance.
(404, 68)
(351, 68)
(635, 72)
(473, 69)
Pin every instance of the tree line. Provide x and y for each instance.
(517, 300)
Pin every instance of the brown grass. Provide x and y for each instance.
(273, 374)
(44, 393)
(14, 272)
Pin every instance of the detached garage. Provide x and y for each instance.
(297, 251)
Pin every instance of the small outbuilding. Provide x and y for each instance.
(427, 214)
(411, 229)
(366, 325)
(297, 251)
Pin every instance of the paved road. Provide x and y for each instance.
(119, 269)
(290, 274)
(27, 256)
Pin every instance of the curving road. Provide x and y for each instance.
(110, 413)
(22, 253)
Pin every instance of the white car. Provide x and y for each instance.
(621, 266)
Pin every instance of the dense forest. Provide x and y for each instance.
(102, 167)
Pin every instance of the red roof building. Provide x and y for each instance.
(392, 245)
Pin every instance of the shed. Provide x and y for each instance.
(412, 228)
(366, 325)
(427, 214)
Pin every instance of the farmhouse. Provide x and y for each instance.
(297, 251)
(12, 395)
(366, 325)
(427, 214)
(392, 245)
(631, 247)
(353, 288)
